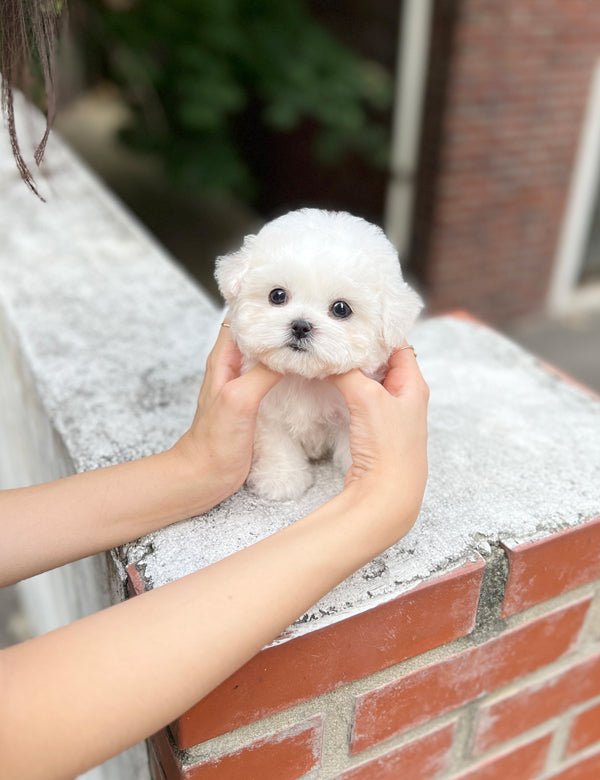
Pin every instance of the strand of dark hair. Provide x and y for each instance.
(27, 28)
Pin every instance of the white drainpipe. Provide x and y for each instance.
(411, 79)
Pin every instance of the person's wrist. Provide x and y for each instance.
(389, 510)
(202, 480)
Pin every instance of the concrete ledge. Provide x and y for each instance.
(514, 456)
(115, 337)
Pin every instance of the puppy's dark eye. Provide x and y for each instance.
(278, 296)
(341, 310)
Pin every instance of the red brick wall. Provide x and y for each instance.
(508, 88)
(429, 685)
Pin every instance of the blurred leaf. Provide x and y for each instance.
(191, 68)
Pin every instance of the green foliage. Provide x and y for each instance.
(191, 69)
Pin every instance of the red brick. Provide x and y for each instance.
(300, 669)
(135, 582)
(558, 372)
(164, 757)
(420, 759)
(439, 688)
(544, 569)
(585, 730)
(285, 755)
(586, 769)
(537, 703)
(462, 314)
(522, 763)
(156, 770)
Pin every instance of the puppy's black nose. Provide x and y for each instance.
(301, 329)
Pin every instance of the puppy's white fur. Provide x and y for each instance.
(318, 258)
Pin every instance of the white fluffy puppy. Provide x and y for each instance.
(314, 293)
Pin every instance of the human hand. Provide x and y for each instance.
(388, 434)
(220, 440)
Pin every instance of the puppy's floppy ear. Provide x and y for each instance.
(400, 308)
(230, 269)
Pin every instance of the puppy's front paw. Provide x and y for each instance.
(279, 484)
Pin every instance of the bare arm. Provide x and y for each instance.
(183, 659)
(57, 522)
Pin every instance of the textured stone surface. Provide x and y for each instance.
(114, 333)
(116, 336)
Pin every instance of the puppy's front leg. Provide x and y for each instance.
(342, 457)
(280, 468)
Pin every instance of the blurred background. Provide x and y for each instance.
(458, 125)
(468, 129)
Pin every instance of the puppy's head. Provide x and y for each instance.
(317, 293)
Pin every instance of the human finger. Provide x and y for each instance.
(354, 385)
(224, 362)
(247, 391)
(404, 374)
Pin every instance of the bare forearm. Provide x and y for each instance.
(57, 522)
(80, 668)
